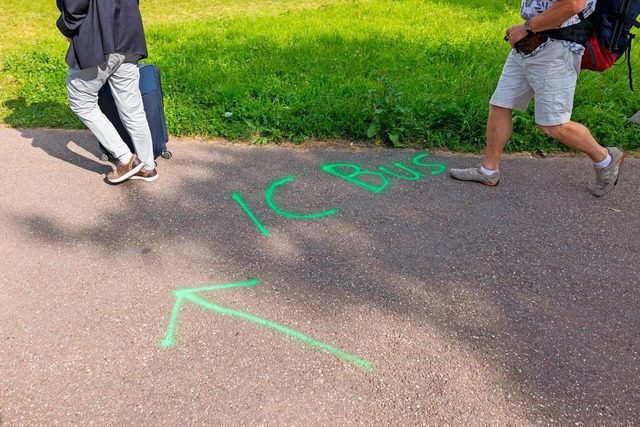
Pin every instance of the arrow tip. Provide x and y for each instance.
(167, 342)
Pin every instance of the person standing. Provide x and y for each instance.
(106, 41)
(545, 69)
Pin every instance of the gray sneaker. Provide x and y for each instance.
(475, 174)
(607, 178)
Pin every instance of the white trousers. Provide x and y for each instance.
(122, 74)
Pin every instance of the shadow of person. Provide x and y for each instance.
(79, 148)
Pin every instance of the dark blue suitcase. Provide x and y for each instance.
(151, 89)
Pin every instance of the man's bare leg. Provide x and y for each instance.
(578, 137)
(499, 128)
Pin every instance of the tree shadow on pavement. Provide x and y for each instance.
(521, 287)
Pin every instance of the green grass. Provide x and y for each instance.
(393, 71)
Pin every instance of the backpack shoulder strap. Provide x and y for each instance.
(577, 33)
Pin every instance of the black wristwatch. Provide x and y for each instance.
(527, 26)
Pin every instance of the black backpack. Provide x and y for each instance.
(606, 34)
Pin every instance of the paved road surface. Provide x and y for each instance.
(427, 302)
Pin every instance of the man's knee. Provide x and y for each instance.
(494, 110)
(555, 132)
(133, 118)
(82, 102)
(84, 110)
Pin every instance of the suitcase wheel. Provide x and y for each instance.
(166, 154)
(104, 157)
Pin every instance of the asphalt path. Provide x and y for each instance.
(279, 285)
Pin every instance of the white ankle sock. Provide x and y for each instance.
(125, 159)
(604, 163)
(487, 171)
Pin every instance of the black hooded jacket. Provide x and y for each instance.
(100, 27)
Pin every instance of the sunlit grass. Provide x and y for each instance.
(395, 71)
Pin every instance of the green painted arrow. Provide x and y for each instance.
(191, 295)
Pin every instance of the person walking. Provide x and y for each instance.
(106, 41)
(545, 69)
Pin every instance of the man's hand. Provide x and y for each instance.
(515, 33)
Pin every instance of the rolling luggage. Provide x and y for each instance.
(151, 90)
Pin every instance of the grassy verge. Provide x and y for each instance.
(411, 71)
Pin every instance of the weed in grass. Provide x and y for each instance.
(386, 113)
